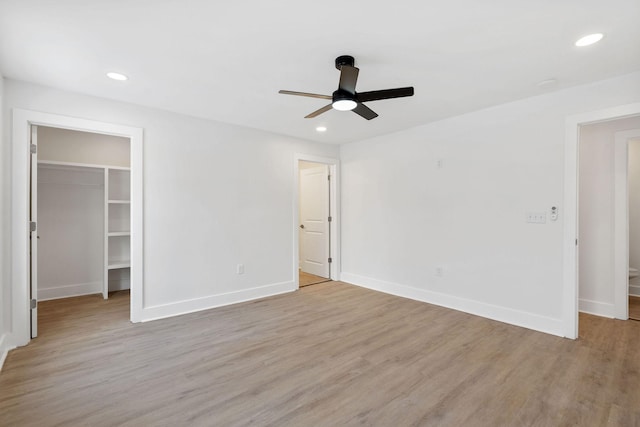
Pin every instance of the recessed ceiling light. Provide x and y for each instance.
(589, 40)
(117, 76)
(321, 129)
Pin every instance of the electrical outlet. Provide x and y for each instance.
(240, 269)
(439, 272)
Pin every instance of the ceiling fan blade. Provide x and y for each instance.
(318, 112)
(376, 95)
(348, 78)
(310, 95)
(365, 111)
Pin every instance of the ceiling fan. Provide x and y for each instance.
(346, 98)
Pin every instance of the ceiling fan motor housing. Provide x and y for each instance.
(341, 95)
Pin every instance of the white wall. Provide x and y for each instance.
(215, 195)
(634, 213)
(596, 214)
(65, 145)
(404, 217)
(4, 233)
(70, 231)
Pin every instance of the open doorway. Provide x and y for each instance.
(314, 207)
(316, 220)
(632, 141)
(609, 217)
(23, 306)
(571, 242)
(80, 202)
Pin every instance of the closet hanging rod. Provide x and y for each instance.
(70, 184)
(81, 165)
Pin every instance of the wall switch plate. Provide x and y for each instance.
(536, 217)
(240, 269)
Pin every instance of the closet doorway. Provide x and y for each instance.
(80, 213)
(23, 304)
(316, 224)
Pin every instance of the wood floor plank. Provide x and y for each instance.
(326, 355)
(306, 279)
(634, 308)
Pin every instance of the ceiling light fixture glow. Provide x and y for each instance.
(589, 40)
(344, 104)
(321, 129)
(117, 76)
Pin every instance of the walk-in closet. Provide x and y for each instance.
(83, 213)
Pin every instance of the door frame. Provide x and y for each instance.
(22, 120)
(334, 212)
(570, 203)
(621, 223)
(33, 233)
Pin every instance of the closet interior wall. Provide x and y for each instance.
(83, 213)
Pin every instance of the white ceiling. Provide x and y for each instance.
(226, 60)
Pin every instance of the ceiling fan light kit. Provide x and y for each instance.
(345, 98)
(344, 104)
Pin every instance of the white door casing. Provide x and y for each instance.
(314, 221)
(33, 232)
(570, 206)
(22, 120)
(621, 222)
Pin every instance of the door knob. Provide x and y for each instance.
(301, 225)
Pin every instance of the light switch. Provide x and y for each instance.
(536, 217)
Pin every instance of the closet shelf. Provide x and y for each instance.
(117, 224)
(118, 264)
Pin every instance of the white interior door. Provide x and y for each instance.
(314, 220)
(33, 234)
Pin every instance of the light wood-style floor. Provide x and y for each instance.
(634, 308)
(326, 355)
(307, 279)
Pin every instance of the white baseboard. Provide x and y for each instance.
(4, 349)
(54, 292)
(213, 301)
(502, 314)
(597, 308)
(634, 290)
